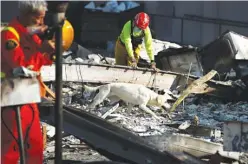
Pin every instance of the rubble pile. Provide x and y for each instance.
(211, 113)
(73, 150)
(196, 112)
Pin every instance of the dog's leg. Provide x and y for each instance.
(146, 109)
(113, 99)
(103, 93)
(167, 105)
(129, 107)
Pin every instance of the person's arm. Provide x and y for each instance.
(46, 48)
(42, 55)
(148, 43)
(126, 38)
(47, 51)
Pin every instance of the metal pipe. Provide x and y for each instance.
(20, 135)
(57, 10)
(58, 93)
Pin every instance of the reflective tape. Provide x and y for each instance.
(11, 29)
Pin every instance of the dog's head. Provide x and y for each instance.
(162, 101)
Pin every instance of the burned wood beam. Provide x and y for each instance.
(102, 73)
(199, 148)
(107, 74)
(198, 86)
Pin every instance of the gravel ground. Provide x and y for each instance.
(73, 152)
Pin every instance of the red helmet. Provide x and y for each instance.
(142, 20)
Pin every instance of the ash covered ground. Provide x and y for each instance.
(212, 112)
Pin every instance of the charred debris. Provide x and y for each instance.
(208, 120)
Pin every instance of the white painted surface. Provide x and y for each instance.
(241, 45)
(108, 74)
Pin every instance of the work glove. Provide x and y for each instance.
(134, 62)
(153, 66)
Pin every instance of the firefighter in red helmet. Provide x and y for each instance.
(129, 43)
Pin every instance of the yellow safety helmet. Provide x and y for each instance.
(67, 35)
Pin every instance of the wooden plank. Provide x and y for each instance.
(108, 74)
(198, 86)
(101, 73)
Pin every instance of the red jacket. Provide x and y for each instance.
(20, 49)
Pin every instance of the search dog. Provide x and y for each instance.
(133, 94)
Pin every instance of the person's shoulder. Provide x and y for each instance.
(147, 29)
(127, 25)
(9, 39)
(9, 31)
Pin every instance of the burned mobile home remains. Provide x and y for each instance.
(208, 119)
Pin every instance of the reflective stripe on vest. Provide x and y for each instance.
(11, 29)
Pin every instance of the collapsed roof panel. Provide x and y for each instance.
(241, 44)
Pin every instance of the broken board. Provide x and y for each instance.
(184, 143)
(108, 73)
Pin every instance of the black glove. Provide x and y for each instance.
(134, 62)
